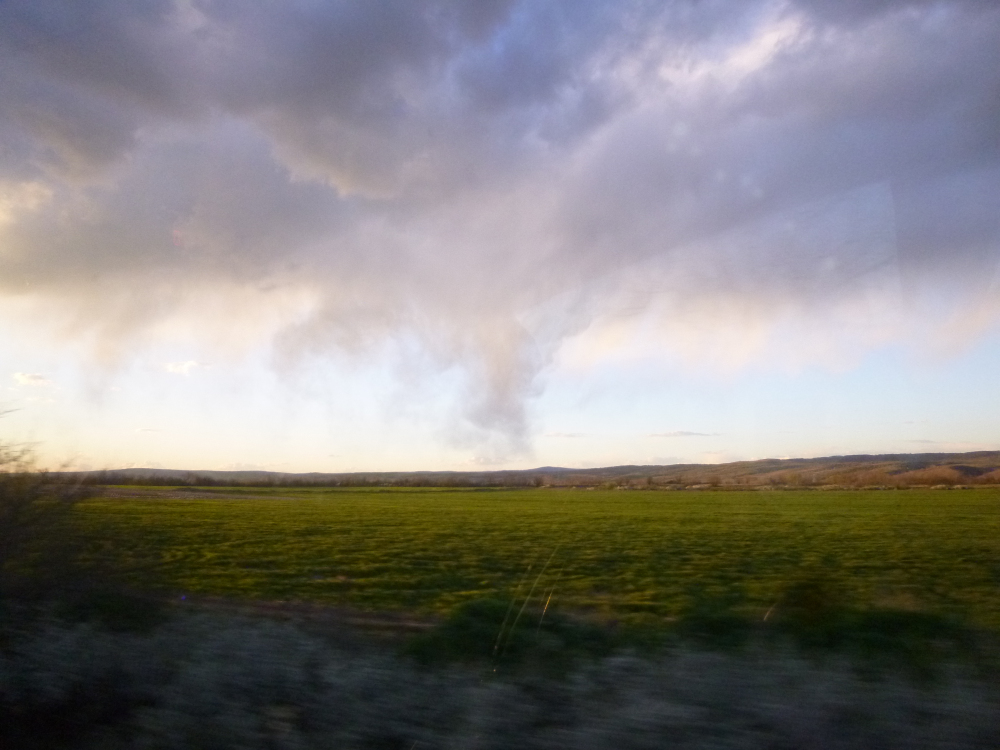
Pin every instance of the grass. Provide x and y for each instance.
(636, 557)
(890, 577)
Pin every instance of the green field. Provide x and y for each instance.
(631, 555)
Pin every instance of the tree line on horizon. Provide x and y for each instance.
(935, 470)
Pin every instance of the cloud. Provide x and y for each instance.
(564, 435)
(183, 368)
(683, 433)
(955, 446)
(472, 188)
(31, 379)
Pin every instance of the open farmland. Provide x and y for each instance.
(634, 556)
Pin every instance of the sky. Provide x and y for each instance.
(436, 234)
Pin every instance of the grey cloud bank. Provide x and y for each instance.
(474, 184)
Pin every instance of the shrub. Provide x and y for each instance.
(497, 633)
(37, 553)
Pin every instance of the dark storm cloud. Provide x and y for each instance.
(487, 179)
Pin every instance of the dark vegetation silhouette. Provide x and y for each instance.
(39, 555)
(46, 564)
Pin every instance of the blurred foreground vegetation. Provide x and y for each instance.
(40, 543)
(193, 680)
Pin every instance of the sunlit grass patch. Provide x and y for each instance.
(635, 557)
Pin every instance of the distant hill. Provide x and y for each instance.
(892, 470)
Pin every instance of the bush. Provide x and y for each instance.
(494, 632)
(37, 553)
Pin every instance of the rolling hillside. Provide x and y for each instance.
(890, 471)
